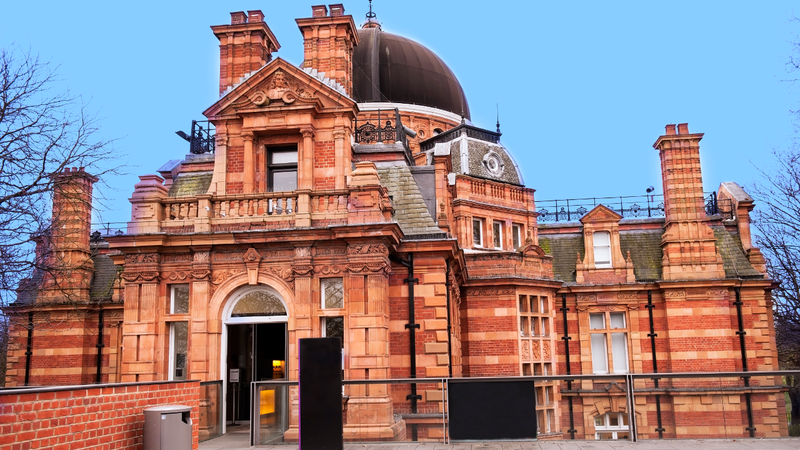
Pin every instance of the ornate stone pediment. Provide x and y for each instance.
(277, 85)
(600, 213)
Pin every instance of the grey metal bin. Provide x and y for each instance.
(168, 428)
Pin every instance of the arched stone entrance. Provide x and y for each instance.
(253, 342)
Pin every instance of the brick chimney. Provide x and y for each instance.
(328, 41)
(246, 45)
(688, 245)
(69, 265)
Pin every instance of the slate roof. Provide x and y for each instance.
(646, 254)
(105, 275)
(734, 260)
(190, 184)
(410, 211)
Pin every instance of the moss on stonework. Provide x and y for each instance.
(646, 254)
(564, 248)
(734, 261)
(190, 184)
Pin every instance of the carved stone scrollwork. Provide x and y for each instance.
(490, 292)
(201, 257)
(327, 269)
(373, 267)
(587, 298)
(526, 351)
(143, 258)
(251, 256)
(201, 274)
(674, 294)
(302, 252)
(131, 277)
(367, 249)
(302, 270)
(546, 350)
(628, 295)
(177, 276)
(284, 273)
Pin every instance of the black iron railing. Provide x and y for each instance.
(203, 138)
(629, 207)
(368, 132)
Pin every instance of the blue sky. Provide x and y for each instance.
(584, 88)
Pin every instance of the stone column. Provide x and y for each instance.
(249, 163)
(369, 409)
(201, 272)
(339, 160)
(217, 185)
(305, 164)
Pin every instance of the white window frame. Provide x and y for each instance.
(607, 428)
(516, 235)
(479, 223)
(172, 298)
(322, 293)
(608, 341)
(171, 351)
(499, 233)
(604, 264)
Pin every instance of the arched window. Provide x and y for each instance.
(257, 304)
(602, 249)
(611, 426)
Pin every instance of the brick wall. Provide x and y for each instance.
(96, 417)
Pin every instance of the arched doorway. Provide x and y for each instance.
(254, 348)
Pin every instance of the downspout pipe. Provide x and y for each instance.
(566, 340)
(449, 325)
(411, 326)
(750, 427)
(29, 349)
(652, 335)
(99, 377)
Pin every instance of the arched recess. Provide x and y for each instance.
(227, 293)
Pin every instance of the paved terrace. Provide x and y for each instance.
(239, 441)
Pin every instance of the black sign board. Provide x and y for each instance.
(483, 410)
(320, 382)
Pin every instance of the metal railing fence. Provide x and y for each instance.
(633, 385)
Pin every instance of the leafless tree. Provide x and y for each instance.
(43, 131)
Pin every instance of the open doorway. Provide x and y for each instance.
(256, 352)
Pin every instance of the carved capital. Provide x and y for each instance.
(338, 134)
(307, 132)
(302, 269)
(248, 136)
(221, 140)
(201, 257)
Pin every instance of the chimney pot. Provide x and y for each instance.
(670, 129)
(238, 17)
(81, 168)
(336, 9)
(255, 16)
(319, 11)
(683, 128)
(66, 170)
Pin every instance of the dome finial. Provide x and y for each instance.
(498, 117)
(372, 21)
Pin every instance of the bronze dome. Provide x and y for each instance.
(391, 68)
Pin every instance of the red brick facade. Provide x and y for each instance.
(494, 278)
(104, 417)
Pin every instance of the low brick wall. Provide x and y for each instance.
(108, 416)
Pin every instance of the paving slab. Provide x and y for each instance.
(237, 441)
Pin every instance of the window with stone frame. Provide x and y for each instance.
(497, 234)
(608, 333)
(332, 293)
(611, 426)
(477, 232)
(282, 168)
(602, 249)
(179, 299)
(178, 353)
(537, 356)
(516, 235)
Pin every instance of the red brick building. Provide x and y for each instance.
(324, 188)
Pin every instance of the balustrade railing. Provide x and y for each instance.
(496, 190)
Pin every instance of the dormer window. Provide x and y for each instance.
(602, 249)
(282, 169)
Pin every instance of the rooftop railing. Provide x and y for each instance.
(629, 207)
